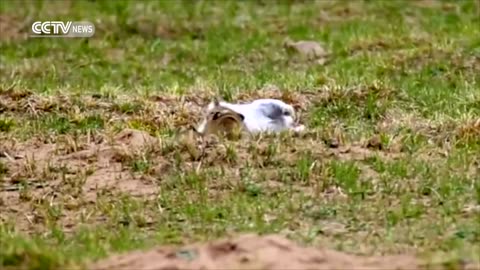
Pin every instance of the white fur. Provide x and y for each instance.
(261, 115)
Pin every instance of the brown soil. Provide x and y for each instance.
(251, 252)
(50, 171)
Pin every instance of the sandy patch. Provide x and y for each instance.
(250, 252)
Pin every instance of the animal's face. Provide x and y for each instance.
(288, 115)
(289, 119)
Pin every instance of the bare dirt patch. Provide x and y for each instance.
(33, 158)
(253, 252)
(39, 172)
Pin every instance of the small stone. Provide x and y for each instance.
(311, 50)
(333, 143)
(375, 142)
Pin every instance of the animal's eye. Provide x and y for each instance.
(216, 115)
(286, 113)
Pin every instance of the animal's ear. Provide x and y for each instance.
(216, 101)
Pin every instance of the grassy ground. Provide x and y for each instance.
(399, 95)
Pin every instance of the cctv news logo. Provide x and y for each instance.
(62, 29)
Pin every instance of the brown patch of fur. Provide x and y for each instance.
(225, 122)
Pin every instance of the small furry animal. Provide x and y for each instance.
(261, 115)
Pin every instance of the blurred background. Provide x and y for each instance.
(171, 45)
